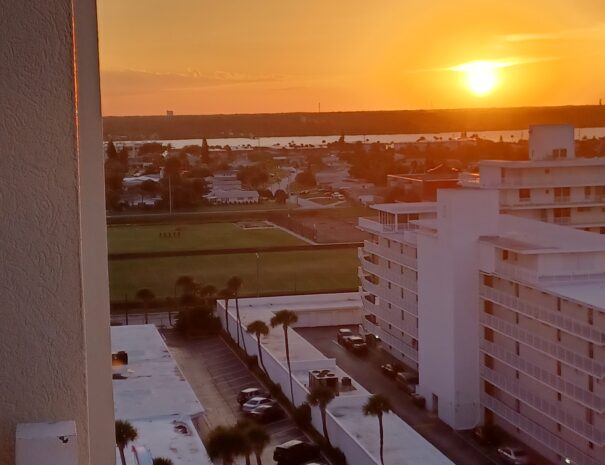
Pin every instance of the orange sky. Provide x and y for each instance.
(245, 56)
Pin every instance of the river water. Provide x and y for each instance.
(318, 141)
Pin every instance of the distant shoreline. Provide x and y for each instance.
(348, 123)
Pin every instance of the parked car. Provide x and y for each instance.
(390, 369)
(356, 344)
(246, 394)
(295, 452)
(409, 377)
(402, 382)
(255, 402)
(267, 413)
(514, 455)
(342, 334)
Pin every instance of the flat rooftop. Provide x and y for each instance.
(443, 176)
(153, 385)
(525, 236)
(172, 437)
(591, 293)
(562, 163)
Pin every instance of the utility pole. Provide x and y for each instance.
(257, 275)
(170, 193)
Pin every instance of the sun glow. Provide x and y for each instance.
(481, 77)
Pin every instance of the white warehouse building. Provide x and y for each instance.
(502, 316)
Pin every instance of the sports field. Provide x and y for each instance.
(287, 272)
(161, 238)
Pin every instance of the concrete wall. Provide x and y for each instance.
(448, 311)
(54, 336)
(543, 139)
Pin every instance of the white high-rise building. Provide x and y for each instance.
(502, 316)
(552, 185)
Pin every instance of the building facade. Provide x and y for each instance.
(503, 316)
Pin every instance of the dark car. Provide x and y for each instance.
(267, 413)
(488, 435)
(357, 345)
(295, 452)
(342, 334)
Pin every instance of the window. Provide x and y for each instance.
(505, 255)
(559, 153)
(583, 209)
(524, 195)
(587, 192)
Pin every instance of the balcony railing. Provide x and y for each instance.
(550, 380)
(391, 275)
(408, 326)
(399, 345)
(595, 200)
(390, 254)
(567, 356)
(532, 276)
(543, 314)
(542, 435)
(392, 296)
(512, 387)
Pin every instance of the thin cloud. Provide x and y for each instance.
(588, 33)
(497, 63)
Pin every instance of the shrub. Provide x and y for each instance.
(336, 456)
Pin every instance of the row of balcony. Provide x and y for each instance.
(392, 275)
(554, 412)
(408, 326)
(556, 201)
(545, 315)
(520, 273)
(390, 254)
(407, 231)
(399, 345)
(550, 380)
(537, 432)
(565, 355)
(392, 296)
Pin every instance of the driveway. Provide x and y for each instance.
(458, 447)
(217, 375)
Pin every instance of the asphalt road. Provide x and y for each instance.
(457, 446)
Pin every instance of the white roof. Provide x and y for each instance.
(591, 293)
(527, 236)
(154, 385)
(172, 437)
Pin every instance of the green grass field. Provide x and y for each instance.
(299, 271)
(138, 238)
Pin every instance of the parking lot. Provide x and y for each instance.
(217, 375)
(459, 447)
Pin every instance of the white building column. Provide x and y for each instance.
(54, 318)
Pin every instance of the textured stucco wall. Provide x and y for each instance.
(54, 335)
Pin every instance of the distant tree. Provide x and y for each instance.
(146, 296)
(205, 153)
(125, 434)
(112, 153)
(286, 318)
(280, 196)
(321, 396)
(234, 285)
(306, 178)
(259, 328)
(186, 283)
(377, 406)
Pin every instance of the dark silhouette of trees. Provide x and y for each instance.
(321, 396)
(377, 406)
(234, 285)
(285, 319)
(280, 196)
(259, 328)
(146, 296)
(125, 434)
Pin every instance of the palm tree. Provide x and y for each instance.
(376, 406)
(185, 282)
(125, 434)
(146, 296)
(286, 318)
(225, 443)
(321, 396)
(226, 294)
(259, 328)
(234, 285)
(162, 461)
(257, 439)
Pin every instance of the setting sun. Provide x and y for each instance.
(480, 76)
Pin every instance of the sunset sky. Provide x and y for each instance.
(244, 56)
